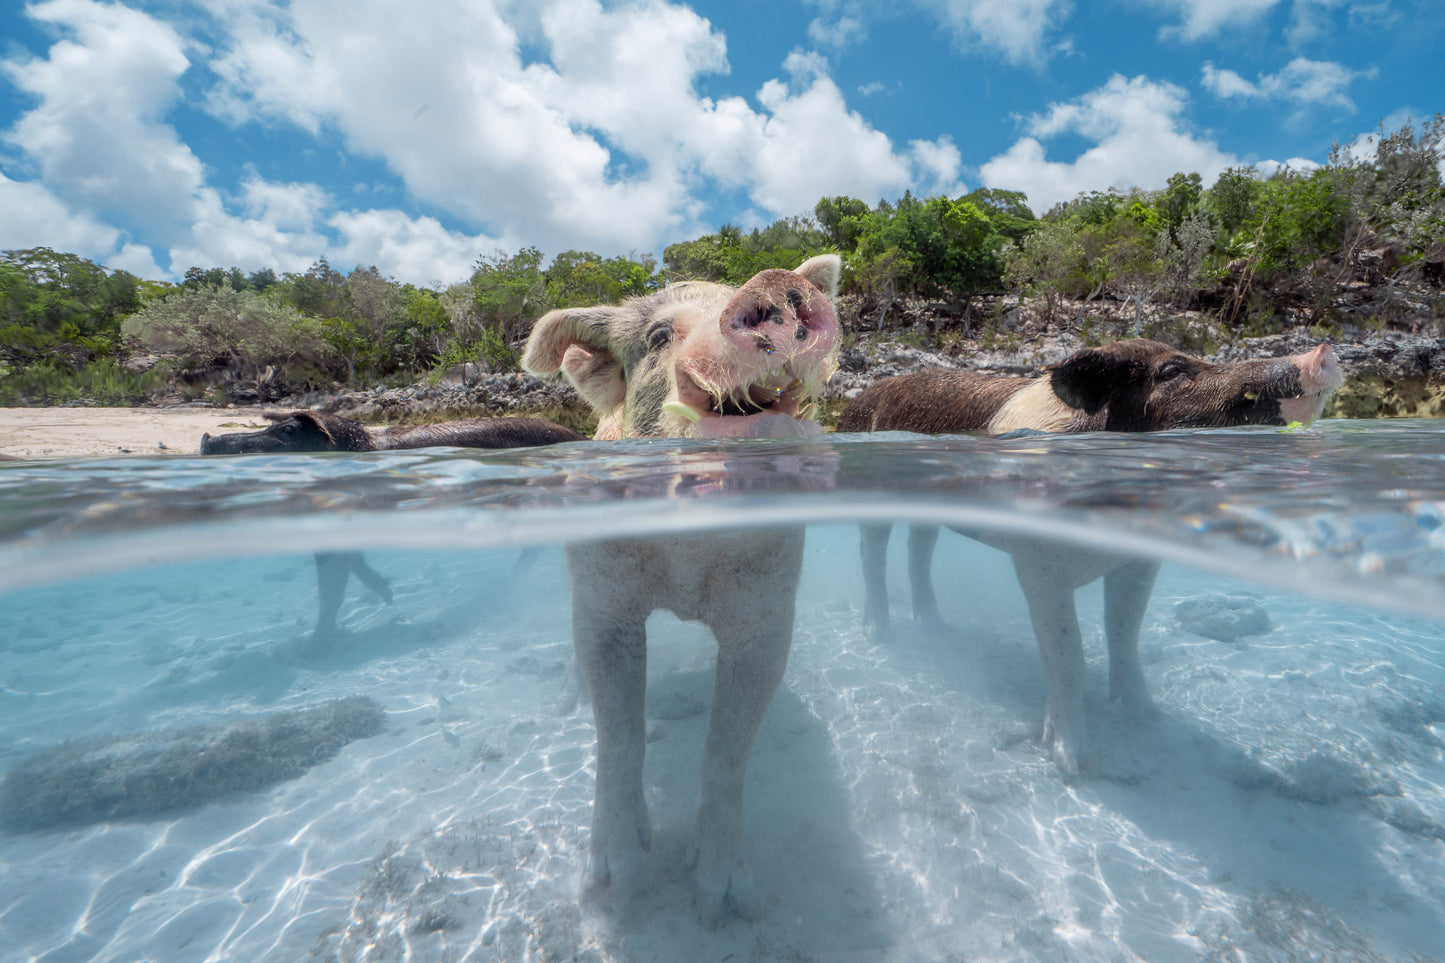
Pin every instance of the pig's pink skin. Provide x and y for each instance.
(1320, 376)
(759, 332)
(657, 366)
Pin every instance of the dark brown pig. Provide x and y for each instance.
(304, 431)
(694, 360)
(1135, 385)
(313, 431)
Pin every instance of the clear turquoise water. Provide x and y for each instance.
(1290, 804)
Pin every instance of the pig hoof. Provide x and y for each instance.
(616, 858)
(1129, 688)
(1139, 707)
(724, 881)
(931, 622)
(1063, 748)
(1066, 758)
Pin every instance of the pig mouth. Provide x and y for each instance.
(714, 412)
(1319, 377)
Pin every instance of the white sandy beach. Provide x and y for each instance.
(30, 433)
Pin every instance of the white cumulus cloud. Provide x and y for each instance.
(1199, 19)
(1302, 82)
(1137, 135)
(1016, 30)
(560, 123)
(602, 143)
(95, 135)
(416, 248)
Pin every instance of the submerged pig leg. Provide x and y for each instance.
(873, 547)
(610, 639)
(754, 631)
(752, 665)
(921, 541)
(332, 571)
(379, 585)
(1055, 620)
(1126, 596)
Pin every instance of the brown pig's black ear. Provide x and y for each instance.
(316, 421)
(1088, 379)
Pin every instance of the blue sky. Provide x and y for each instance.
(416, 135)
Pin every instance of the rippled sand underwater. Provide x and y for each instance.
(1289, 804)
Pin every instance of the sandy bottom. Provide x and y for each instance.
(1286, 806)
(29, 433)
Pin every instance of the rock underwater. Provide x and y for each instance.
(144, 775)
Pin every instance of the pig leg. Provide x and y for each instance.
(1126, 596)
(873, 547)
(921, 542)
(752, 654)
(526, 559)
(370, 577)
(610, 638)
(332, 571)
(1050, 598)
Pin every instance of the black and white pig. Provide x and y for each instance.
(314, 431)
(697, 360)
(1134, 385)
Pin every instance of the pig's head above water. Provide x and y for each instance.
(1141, 385)
(698, 359)
(295, 431)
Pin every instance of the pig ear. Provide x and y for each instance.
(1087, 379)
(316, 422)
(558, 330)
(597, 377)
(823, 272)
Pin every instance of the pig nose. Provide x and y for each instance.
(1319, 367)
(771, 325)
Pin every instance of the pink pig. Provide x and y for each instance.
(695, 360)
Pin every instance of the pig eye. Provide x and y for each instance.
(659, 336)
(1173, 368)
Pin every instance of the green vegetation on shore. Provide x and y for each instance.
(1251, 253)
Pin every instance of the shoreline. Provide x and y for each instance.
(82, 432)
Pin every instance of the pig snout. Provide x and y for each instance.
(1319, 377)
(1319, 370)
(771, 347)
(780, 317)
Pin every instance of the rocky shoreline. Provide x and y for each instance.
(1389, 374)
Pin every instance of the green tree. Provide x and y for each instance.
(1049, 263)
(424, 333)
(844, 220)
(577, 278)
(320, 292)
(703, 259)
(1178, 200)
(239, 330)
(1233, 199)
(930, 248)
